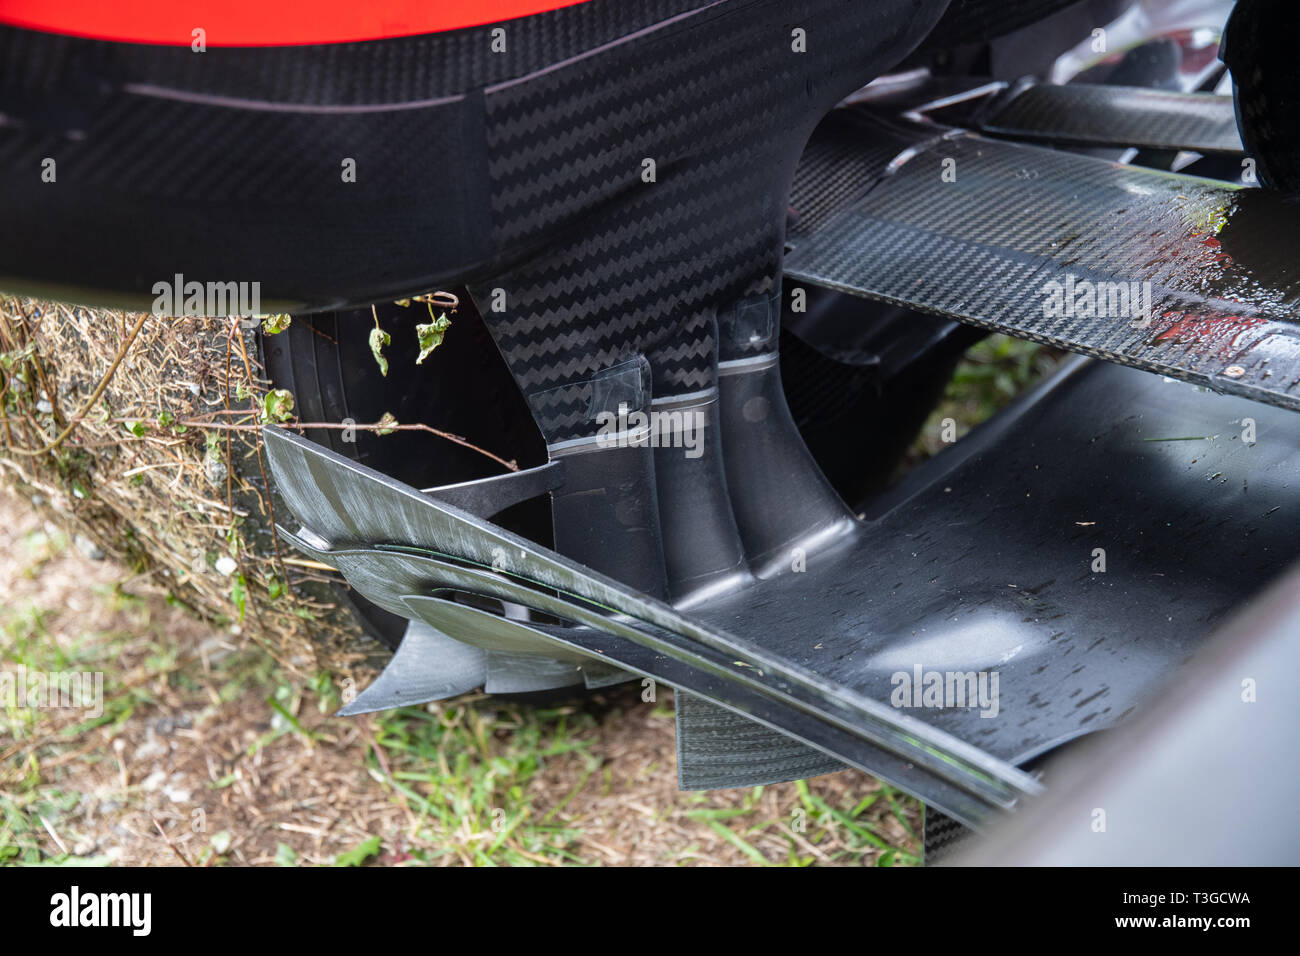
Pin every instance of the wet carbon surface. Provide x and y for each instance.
(984, 560)
(1188, 277)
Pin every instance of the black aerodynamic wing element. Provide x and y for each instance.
(1082, 114)
(1191, 278)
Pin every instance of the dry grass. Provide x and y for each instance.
(149, 433)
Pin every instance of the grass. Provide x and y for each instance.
(465, 774)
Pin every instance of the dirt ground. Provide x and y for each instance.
(206, 753)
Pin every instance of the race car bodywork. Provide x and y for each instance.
(640, 198)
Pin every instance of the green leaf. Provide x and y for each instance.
(387, 424)
(430, 336)
(378, 339)
(284, 855)
(277, 405)
(359, 854)
(275, 324)
(136, 428)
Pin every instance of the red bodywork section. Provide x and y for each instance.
(261, 22)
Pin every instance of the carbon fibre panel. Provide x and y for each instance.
(718, 749)
(1082, 114)
(1059, 248)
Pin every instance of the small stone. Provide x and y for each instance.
(178, 795)
(150, 749)
(88, 548)
(167, 726)
(226, 565)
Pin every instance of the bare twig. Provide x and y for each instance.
(168, 840)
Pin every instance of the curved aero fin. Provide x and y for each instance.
(427, 666)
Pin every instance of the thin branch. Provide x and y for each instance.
(336, 426)
(168, 840)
